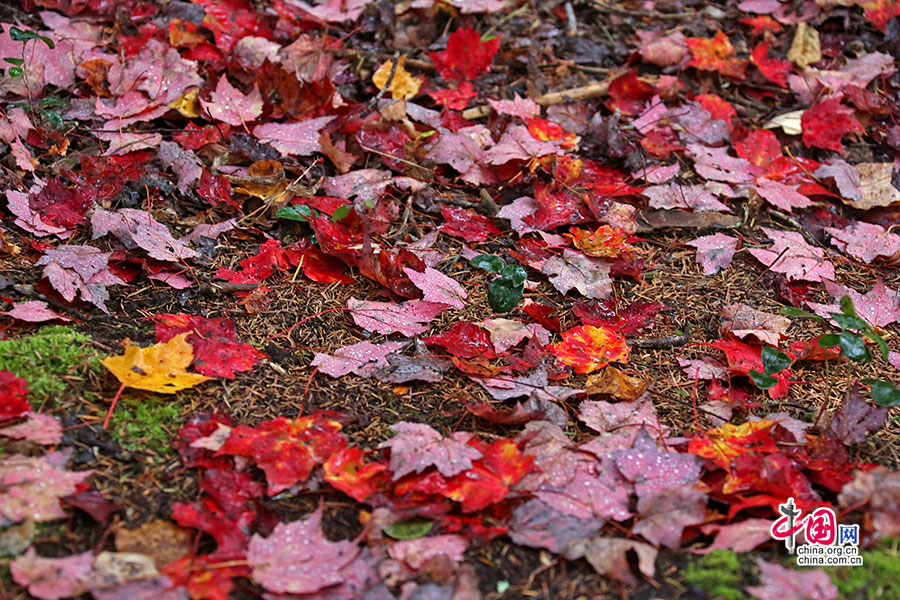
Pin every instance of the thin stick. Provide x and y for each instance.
(586, 92)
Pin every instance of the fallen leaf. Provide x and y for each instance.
(714, 252)
(52, 578)
(408, 319)
(403, 86)
(794, 257)
(415, 553)
(716, 54)
(866, 242)
(628, 320)
(287, 449)
(296, 558)
(609, 556)
(880, 306)
(617, 384)
(464, 340)
(604, 242)
(875, 186)
(466, 56)
(13, 396)
(33, 311)
(588, 348)
(38, 428)
(805, 48)
(81, 270)
(780, 195)
(878, 490)
(159, 368)
(663, 515)
(781, 583)
(437, 287)
(33, 486)
(855, 419)
(217, 352)
(826, 123)
(137, 228)
(742, 321)
(163, 541)
(416, 447)
(743, 536)
(652, 470)
(362, 358)
(773, 69)
(572, 270)
(228, 105)
(297, 139)
(465, 223)
(348, 472)
(689, 197)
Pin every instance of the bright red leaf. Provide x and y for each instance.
(466, 56)
(826, 123)
(588, 348)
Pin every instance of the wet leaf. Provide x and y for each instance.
(160, 368)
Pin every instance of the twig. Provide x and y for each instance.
(586, 92)
(374, 100)
(671, 341)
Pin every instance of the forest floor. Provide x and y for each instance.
(686, 209)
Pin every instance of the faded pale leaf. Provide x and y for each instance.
(805, 49)
(416, 446)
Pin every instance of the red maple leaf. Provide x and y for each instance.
(826, 123)
(628, 94)
(743, 358)
(13, 396)
(465, 223)
(774, 69)
(464, 340)
(466, 56)
(287, 449)
(347, 471)
(217, 352)
(716, 54)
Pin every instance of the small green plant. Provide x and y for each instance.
(851, 341)
(146, 424)
(504, 292)
(45, 357)
(20, 35)
(719, 574)
(44, 106)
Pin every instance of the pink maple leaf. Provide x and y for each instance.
(137, 228)
(782, 583)
(80, 270)
(465, 223)
(409, 318)
(653, 470)
(38, 428)
(665, 514)
(517, 143)
(794, 257)
(714, 252)
(416, 553)
(296, 558)
(866, 242)
(33, 486)
(880, 306)
(437, 287)
(416, 447)
(783, 196)
(690, 197)
(33, 311)
(229, 105)
(52, 578)
(573, 270)
(362, 358)
(299, 139)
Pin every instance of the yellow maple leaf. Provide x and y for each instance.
(403, 86)
(188, 104)
(160, 368)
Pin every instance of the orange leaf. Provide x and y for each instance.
(346, 471)
(724, 444)
(160, 368)
(617, 384)
(716, 54)
(606, 242)
(589, 348)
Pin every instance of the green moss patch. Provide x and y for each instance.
(720, 574)
(45, 357)
(146, 425)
